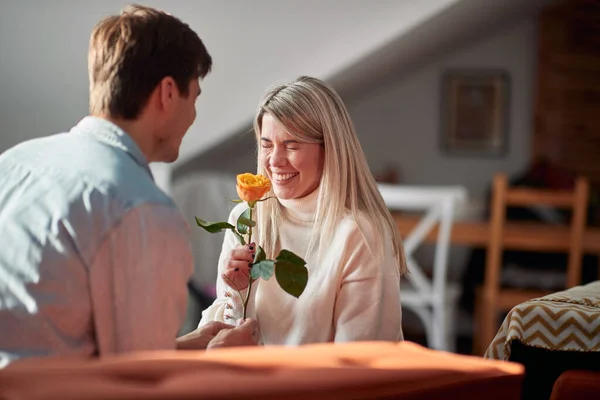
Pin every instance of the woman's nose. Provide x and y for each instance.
(278, 158)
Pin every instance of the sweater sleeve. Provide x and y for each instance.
(368, 301)
(227, 307)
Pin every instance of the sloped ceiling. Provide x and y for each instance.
(354, 44)
(258, 43)
(254, 43)
(426, 32)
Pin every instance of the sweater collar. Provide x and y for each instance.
(302, 209)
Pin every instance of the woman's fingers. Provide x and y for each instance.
(242, 254)
(236, 280)
(237, 269)
(237, 274)
(238, 266)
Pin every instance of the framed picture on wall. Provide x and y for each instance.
(474, 112)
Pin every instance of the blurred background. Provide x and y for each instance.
(442, 93)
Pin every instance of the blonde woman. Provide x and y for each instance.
(328, 211)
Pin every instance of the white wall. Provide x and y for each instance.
(400, 123)
(161, 173)
(43, 54)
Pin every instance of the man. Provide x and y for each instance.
(94, 257)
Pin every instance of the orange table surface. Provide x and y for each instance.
(361, 370)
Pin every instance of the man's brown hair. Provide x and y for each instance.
(132, 52)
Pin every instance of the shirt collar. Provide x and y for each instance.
(109, 133)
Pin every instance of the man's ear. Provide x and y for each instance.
(168, 93)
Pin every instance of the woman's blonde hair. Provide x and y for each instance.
(313, 112)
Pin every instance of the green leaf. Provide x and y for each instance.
(244, 221)
(291, 273)
(237, 201)
(260, 255)
(263, 269)
(239, 237)
(286, 255)
(213, 227)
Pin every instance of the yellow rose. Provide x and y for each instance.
(252, 187)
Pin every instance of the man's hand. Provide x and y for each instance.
(199, 339)
(244, 334)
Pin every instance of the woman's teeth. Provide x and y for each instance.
(284, 177)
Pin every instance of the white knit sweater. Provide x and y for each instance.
(350, 296)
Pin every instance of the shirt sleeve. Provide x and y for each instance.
(368, 301)
(227, 307)
(138, 281)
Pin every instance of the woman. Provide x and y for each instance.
(327, 210)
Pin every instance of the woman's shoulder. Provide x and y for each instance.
(361, 222)
(368, 237)
(362, 228)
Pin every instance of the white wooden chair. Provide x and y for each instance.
(433, 300)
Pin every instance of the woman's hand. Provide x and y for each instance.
(199, 339)
(238, 265)
(244, 334)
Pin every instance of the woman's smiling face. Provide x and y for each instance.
(294, 167)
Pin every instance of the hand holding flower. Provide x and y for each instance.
(245, 265)
(238, 265)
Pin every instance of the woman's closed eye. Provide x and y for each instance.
(267, 146)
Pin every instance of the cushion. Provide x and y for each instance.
(563, 321)
(576, 385)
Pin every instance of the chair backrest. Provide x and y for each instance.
(504, 196)
(438, 203)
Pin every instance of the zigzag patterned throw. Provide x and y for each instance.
(566, 321)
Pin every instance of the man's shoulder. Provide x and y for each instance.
(75, 179)
(85, 167)
(33, 148)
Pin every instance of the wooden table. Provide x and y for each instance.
(521, 235)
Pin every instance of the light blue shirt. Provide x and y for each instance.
(94, 257)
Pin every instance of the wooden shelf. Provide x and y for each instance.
(518, 235)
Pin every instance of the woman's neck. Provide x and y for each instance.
(302, 209)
